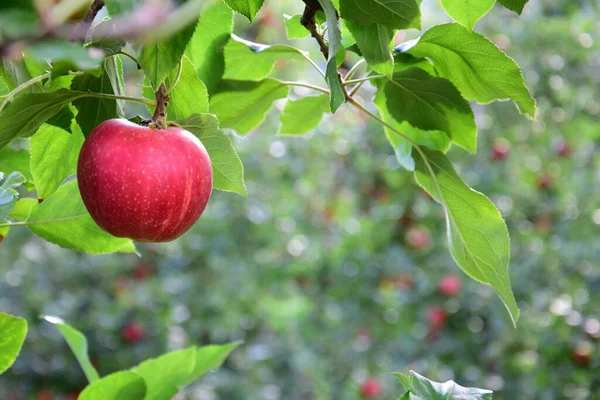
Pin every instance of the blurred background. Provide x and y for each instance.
(335, 270)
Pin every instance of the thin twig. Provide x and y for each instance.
(306, 85)
(159, 119)
(19, 88)
(363, 79)
(86, 22)
(308, 21)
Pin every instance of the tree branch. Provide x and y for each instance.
(159, 119)
(308, 21)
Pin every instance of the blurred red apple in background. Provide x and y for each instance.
(450, 285)
(563, 149)
(436, 317)
(418, 238)
(582, 353)
(371, 388)
(133, 332)
(500, 149)
(142, 271)
(149, 185)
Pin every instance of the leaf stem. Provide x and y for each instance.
(314, 64)
(306, 85)
(125, 54)
(354, 68)
(363, 79)
(45, 221)
(176, 78)
(22, 86)
(356, 88)
(148, 102)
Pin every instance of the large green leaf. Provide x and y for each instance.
(248, 8)
(514, 5)
(28, 112)
(431, 103)
(242, 105)
(467, 12)
(166, 374)
(374, 43)
(54, 154)
(294, 28)
(12, 335)
(8, 194)
(249, 61)
(15, 160)
(123, 385)
(188, 97)
(228, 170)
(398, 14)
(209, 358)
(159, 57)
(206, 46)
(22, 210)
(420, 387)
(480, 70)
(113, 68)
(78, 344)
(14, 73)
(477, 234)
(91, 111)
(62, 219)
(66, 56)
(336, 56)
(436, 140)
(303, 115)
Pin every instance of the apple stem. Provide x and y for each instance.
(159, 119)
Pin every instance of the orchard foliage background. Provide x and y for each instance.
(330, 269)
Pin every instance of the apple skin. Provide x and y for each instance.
(149, 185)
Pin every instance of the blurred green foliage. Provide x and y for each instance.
(314, 271)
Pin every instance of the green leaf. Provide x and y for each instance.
(209, 358)
(12, 335)
(116, 7)
(431, 103)
(374, 43)
(113, 68)
(66, 56)
(294, 28)
(247, 8)
(467, 12)
(28, 112)
(18, 23)
(123, 385)
(8, 194)
(303, 115)
(206, 46)
(404, 380)
(514, 5)
(159, 57)
(477, 234)
(91, 111)
(22, 210)
(15, 160)
(242, 105)
(228, 170)
(398, 14)
(189, 96)
(62, 219)
(480, 70)
(166, 374)
(63, 118)
(78, 344)
(14, 73)
(422, 387)
(336, 56)
(249, 61)
(54, 154)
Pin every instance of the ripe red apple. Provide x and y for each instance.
(417, 238)
(450, 285)
(149, 185)
(500, 149)
(436, 317)
(133, 332)
(371, 388)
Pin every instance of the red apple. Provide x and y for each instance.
(149, 185)
(417, 238)
(436, 317)
(450, 285)
(370, 388)
(582, 354)
(500, 149)
(133, 332)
